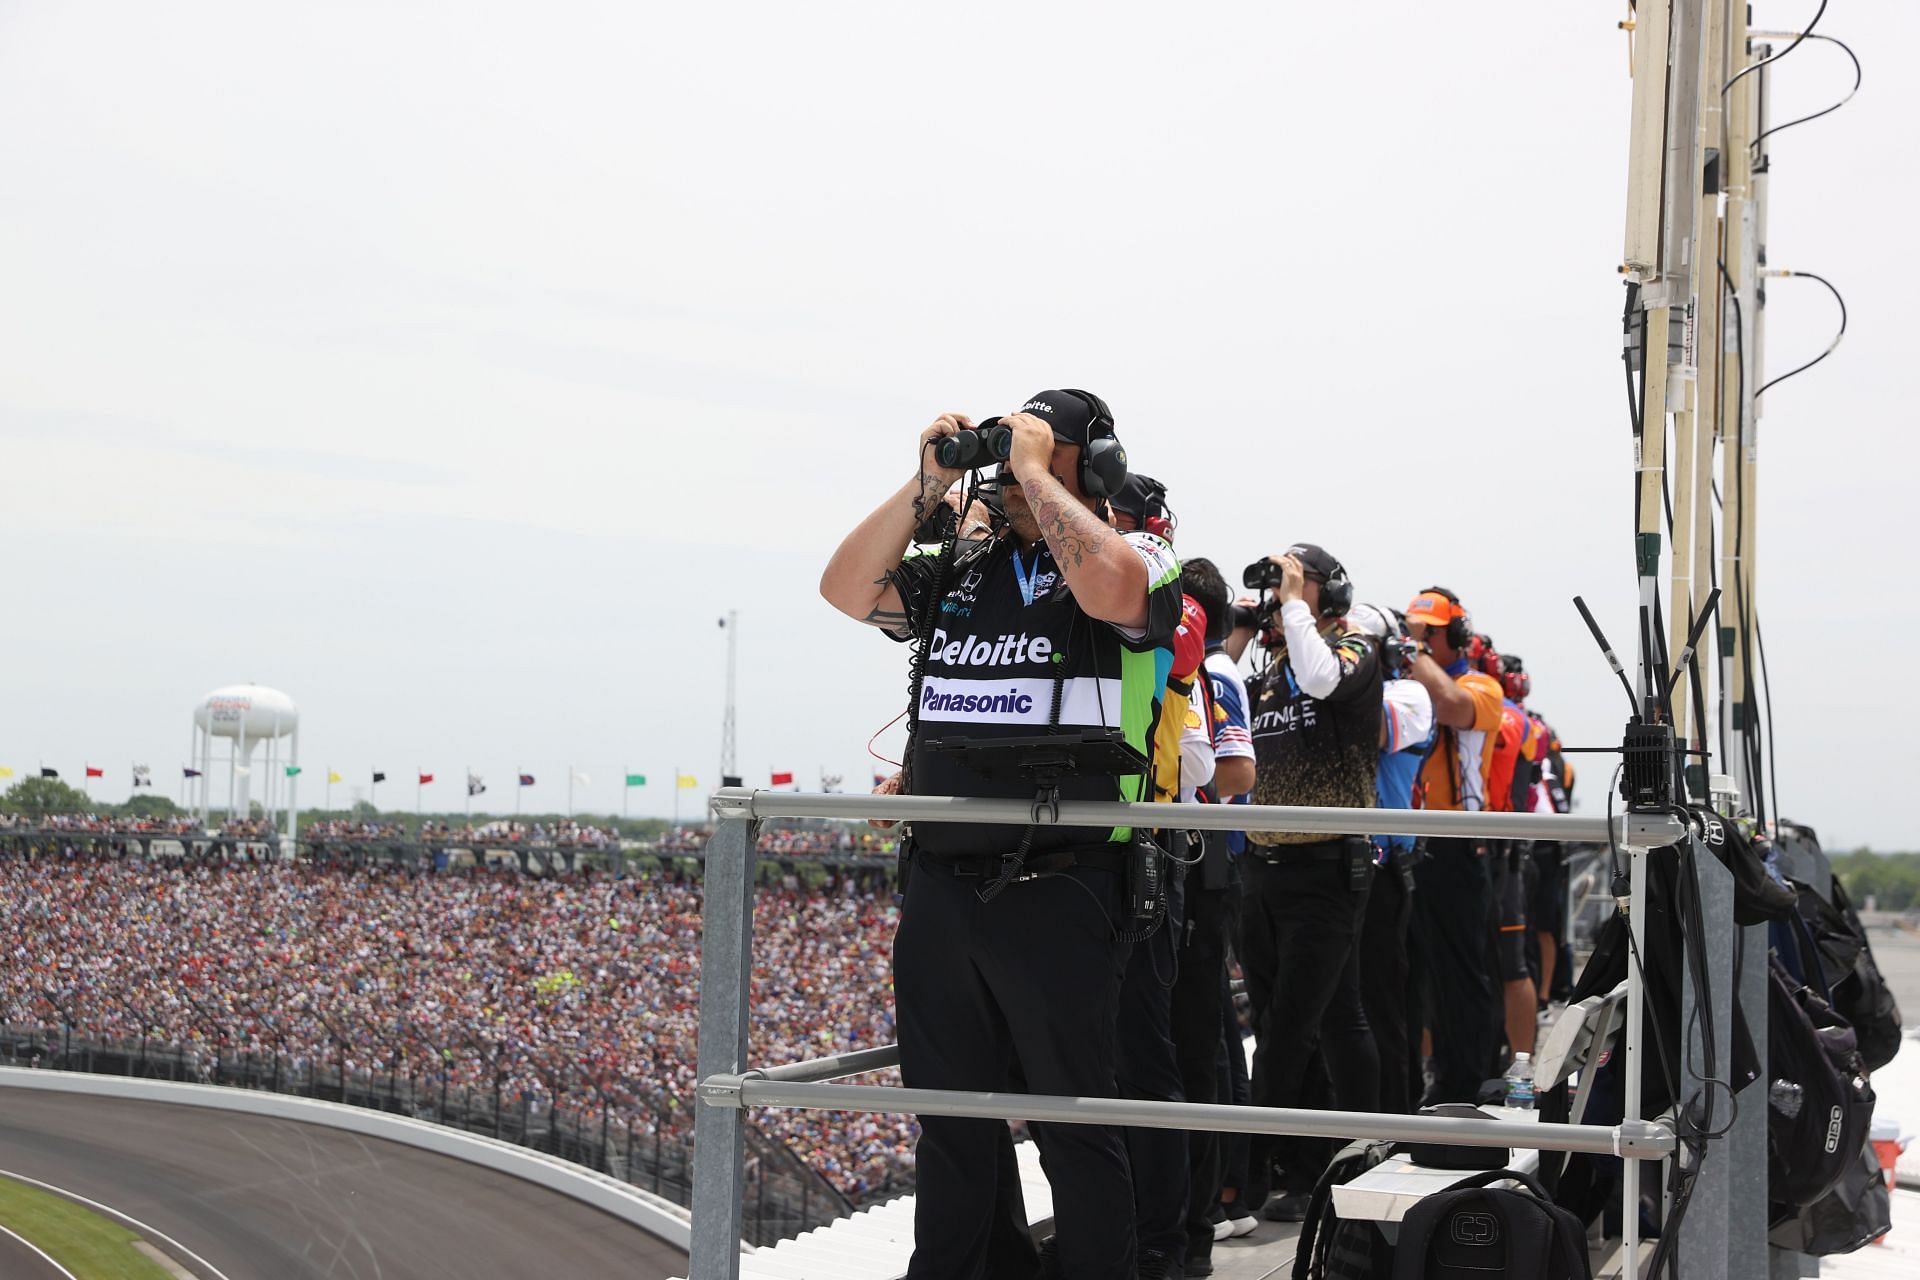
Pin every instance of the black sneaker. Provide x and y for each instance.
(1151, 1264)
(1197, 1265)
(1288, 1207)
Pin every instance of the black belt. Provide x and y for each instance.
(1036, 865)
(1306, 851)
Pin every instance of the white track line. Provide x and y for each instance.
(37, 1249)
(212, 1272)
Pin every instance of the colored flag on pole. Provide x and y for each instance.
(831, 781)
(582, 778)
(474, 785)
(293, 771)
(95, 773)
(188, 773)
(526, 779)
(5, 772)
(244, 771)
(142, 776)
(783, 779)
(425, 778)
(378, 776)
(334, 777)
(49, 773)
(687, 782)
(636, 779)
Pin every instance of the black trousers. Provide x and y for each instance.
(1299, 926)
(1202, 1022)
(1033, 975)
(1150, 1070)
(1452, 898)
(1383, 983)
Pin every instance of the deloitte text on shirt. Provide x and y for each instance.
(1008, 679)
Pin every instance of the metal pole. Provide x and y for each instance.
(726, 971)
(1706, 1233)
(1636, 1031)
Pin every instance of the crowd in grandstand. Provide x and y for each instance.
(795, 841)
(580, 989)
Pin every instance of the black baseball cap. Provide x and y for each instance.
(1319, 565)
(1069, 413)
(1140, 497)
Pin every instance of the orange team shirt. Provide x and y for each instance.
(1457, 768)
(1518, 739)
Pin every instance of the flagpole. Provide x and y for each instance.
(518, 787)
(419, 813)
(626, 785)
(329, 800)
(569, 791)
(676, 795)
(469, 769)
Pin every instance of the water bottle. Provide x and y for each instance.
(1520, 1082)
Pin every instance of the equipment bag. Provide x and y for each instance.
(1819, 1104)
(1862, 995)
(1331, 1247)
(1857, 1210)
(1474, 1231)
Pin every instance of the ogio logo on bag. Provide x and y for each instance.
(1833, 1131)
(1476, 1229)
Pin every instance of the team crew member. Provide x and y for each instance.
(1149, 1068)
(1203, 1014)
(1316, 728)
(1509, 787)
(1453, 896)
(998, 957)
(1386, 977)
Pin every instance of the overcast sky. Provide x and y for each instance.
(453, 367)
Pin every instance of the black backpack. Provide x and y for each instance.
(1857, 1210)
(1819, 1104)
(1862, 995)
(1473, 1231)
(1332, 1247)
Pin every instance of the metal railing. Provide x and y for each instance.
(728, 1084)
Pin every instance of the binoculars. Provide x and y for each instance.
(986, 445)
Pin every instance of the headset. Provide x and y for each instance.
(1459, 622)
(1103, 463)
(1514, 678)
(1336, 593)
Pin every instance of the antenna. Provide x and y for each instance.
(1613, 659)
(1693, 638)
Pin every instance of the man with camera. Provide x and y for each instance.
(1010, 943)
(1454, 887)
(1315, 711)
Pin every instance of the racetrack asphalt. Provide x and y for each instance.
(18, 1260)
(268, 1199)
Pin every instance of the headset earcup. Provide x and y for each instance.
(1103, 467)
(1336, 597)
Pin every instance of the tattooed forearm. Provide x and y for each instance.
(932, 488)
(886, 619)
(1074, 533)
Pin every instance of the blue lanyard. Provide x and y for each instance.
(1024, 577)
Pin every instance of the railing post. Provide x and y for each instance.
(1715, 1216)
(726, 972)
(1746, 1143)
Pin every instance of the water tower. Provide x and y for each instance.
(247, 716)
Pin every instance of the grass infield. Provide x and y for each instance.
(91, 1246)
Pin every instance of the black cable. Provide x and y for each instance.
(1794, 275)
(1773, 768)
(1769, 61)
(1858, 75)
